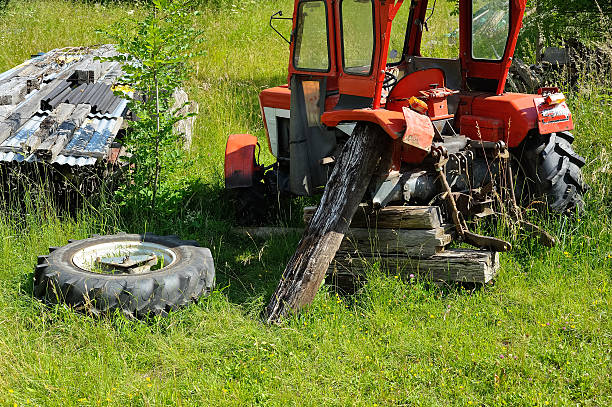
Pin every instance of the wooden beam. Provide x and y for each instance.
(344, 190)
(52, 146)
(13, 92)
(458, 265)
(412, 242)
(391, 217)
(44, 137)
(266, 232)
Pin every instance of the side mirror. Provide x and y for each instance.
(279, 16)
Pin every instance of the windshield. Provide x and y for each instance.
(490, 28)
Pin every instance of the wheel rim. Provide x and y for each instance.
(99, 257)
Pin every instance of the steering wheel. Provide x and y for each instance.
(390, 80)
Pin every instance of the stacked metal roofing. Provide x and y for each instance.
(67, 80)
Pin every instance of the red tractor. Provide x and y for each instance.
(456, 134)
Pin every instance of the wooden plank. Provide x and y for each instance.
(27, 109)
(391, 217)
(71, 119)
(414, 242)
(459, 265)
(44, 137)
(410, 242)
(13, 92)
(266, 232)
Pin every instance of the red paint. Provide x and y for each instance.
(436, 102)
(516, 111)
(279, 98)
(240, 160)
(480, 115)
(498, 70)
(485, 128)
(332, 73)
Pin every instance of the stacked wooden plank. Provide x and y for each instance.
(407, 240)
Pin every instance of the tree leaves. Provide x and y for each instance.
(155, 51)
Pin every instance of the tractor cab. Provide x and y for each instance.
(421, 74)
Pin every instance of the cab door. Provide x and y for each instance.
(357, 39)
(312, 76)
(488, 33)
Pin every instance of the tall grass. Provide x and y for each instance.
(540, 336)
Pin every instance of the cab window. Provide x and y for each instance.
(440, 32)
(490, 28)
(311, 52)
(398, 35)
(357, 18)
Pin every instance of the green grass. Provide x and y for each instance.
(540, 336)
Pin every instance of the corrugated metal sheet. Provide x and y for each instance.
(91, 141)
(74, 161)
(11, 156)
(24, 132)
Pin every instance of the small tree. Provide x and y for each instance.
(155, 52)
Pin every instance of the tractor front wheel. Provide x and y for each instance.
(549, 171)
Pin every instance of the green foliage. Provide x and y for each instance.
(556, 21)
(156, 51)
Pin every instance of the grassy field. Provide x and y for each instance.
(542, 335)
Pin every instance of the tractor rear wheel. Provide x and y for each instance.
(549, 171)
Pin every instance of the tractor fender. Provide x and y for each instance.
(240, 160)
(415, 130)
(508, 117)
(392, 122)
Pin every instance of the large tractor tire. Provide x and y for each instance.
(550, 172)
(71, 274)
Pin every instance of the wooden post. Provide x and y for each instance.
(346, 186)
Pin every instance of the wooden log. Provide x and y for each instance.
(458, 265)
(343, 193)
(391, 217)
(412, 242)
